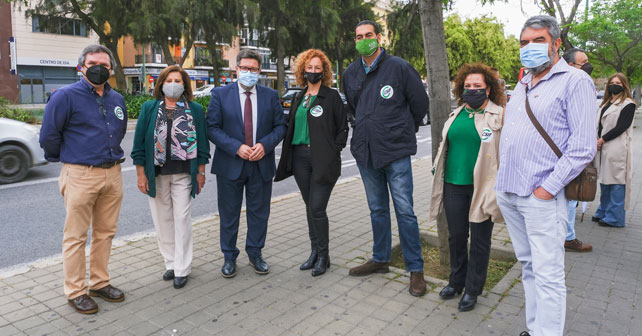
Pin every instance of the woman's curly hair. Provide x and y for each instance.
(496, 94)
(306, 56)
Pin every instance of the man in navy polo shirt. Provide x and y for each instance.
(82, 127)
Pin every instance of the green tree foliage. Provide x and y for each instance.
(160, 22)
(474, 40)
(341, 48)
(292, 26)
(218, 21)
(110, 20)
(481, 40)
(613, 37)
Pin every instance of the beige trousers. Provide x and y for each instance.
(93, 198)
(172, 215)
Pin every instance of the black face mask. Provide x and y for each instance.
(313, 77)
(587, 67)
(475, 97)
(97, 74)
(615, 89)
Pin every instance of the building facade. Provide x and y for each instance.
(46, 53)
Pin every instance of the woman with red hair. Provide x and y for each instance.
(317, 132)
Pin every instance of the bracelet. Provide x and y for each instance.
(202, 173)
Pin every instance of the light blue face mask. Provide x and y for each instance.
(533, 55)
(248, 79)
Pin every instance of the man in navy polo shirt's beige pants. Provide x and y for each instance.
(82, 127)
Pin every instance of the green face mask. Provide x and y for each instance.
(367, 47)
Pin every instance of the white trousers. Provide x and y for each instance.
(537, 230)
(172, 215)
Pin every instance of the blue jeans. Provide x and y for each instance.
(570, 227)
(611, 209)
(396, 176)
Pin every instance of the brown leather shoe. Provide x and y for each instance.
(369, 267)
(108, 293)
(417, 284)
(84, 304)
(577, 245)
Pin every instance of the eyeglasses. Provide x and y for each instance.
(252, 70)
(101, 105)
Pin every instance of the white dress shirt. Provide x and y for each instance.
(242, 98)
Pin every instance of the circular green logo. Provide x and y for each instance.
(118, 111)
(487, 135)
(387, 92)
(316, 111)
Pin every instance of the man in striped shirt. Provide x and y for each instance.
(531, 178)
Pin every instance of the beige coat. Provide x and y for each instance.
(614, 160)
(483, 204)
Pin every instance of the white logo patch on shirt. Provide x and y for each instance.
(387, 92)
(487, 135)
(118, 111)
(316, 111)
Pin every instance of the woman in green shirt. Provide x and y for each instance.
(317, 131)
(465, 170)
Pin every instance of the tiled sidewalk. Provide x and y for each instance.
(605, 285)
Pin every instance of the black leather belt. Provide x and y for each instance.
(108, 165)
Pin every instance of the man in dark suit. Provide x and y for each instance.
(245, 121)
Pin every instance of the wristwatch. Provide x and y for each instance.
(202, 173)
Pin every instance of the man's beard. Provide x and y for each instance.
(541, 68)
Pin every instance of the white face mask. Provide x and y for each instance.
(173, 90)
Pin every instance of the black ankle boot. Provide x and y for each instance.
(323, 263)
(321, 230)
(312, 260)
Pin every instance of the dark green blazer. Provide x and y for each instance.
(143, 150)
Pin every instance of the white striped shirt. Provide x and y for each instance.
(564, 103)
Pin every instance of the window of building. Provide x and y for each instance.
(58, 25)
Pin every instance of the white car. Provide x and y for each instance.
(19, 150)
(203, 91)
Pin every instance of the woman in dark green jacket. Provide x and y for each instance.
(170, 153)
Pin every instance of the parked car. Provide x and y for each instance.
(19, 150)
(286, 100)
(203, 91)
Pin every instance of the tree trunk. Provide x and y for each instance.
(638, 94)
(432, 27)
(211, 46)
(280, 67)
(188, 47)
(167, 53)
(339, 61)
(121, 83)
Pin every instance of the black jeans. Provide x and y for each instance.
(469, 272)
(315, 196)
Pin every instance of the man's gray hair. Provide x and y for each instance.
(569, 55)
(248, 53)
(96, 48)
(543, 21)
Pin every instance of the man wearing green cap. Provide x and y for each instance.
(387, 100)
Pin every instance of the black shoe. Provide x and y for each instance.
(180, 282)
(229, 269)
(260, 266)
(323, 263)
(467, 302)
(605, 224)
(312, 260)
(169, 275)
(524, 333)
(596, 219)
(449, 292)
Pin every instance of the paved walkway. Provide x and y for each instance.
(604, 286)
